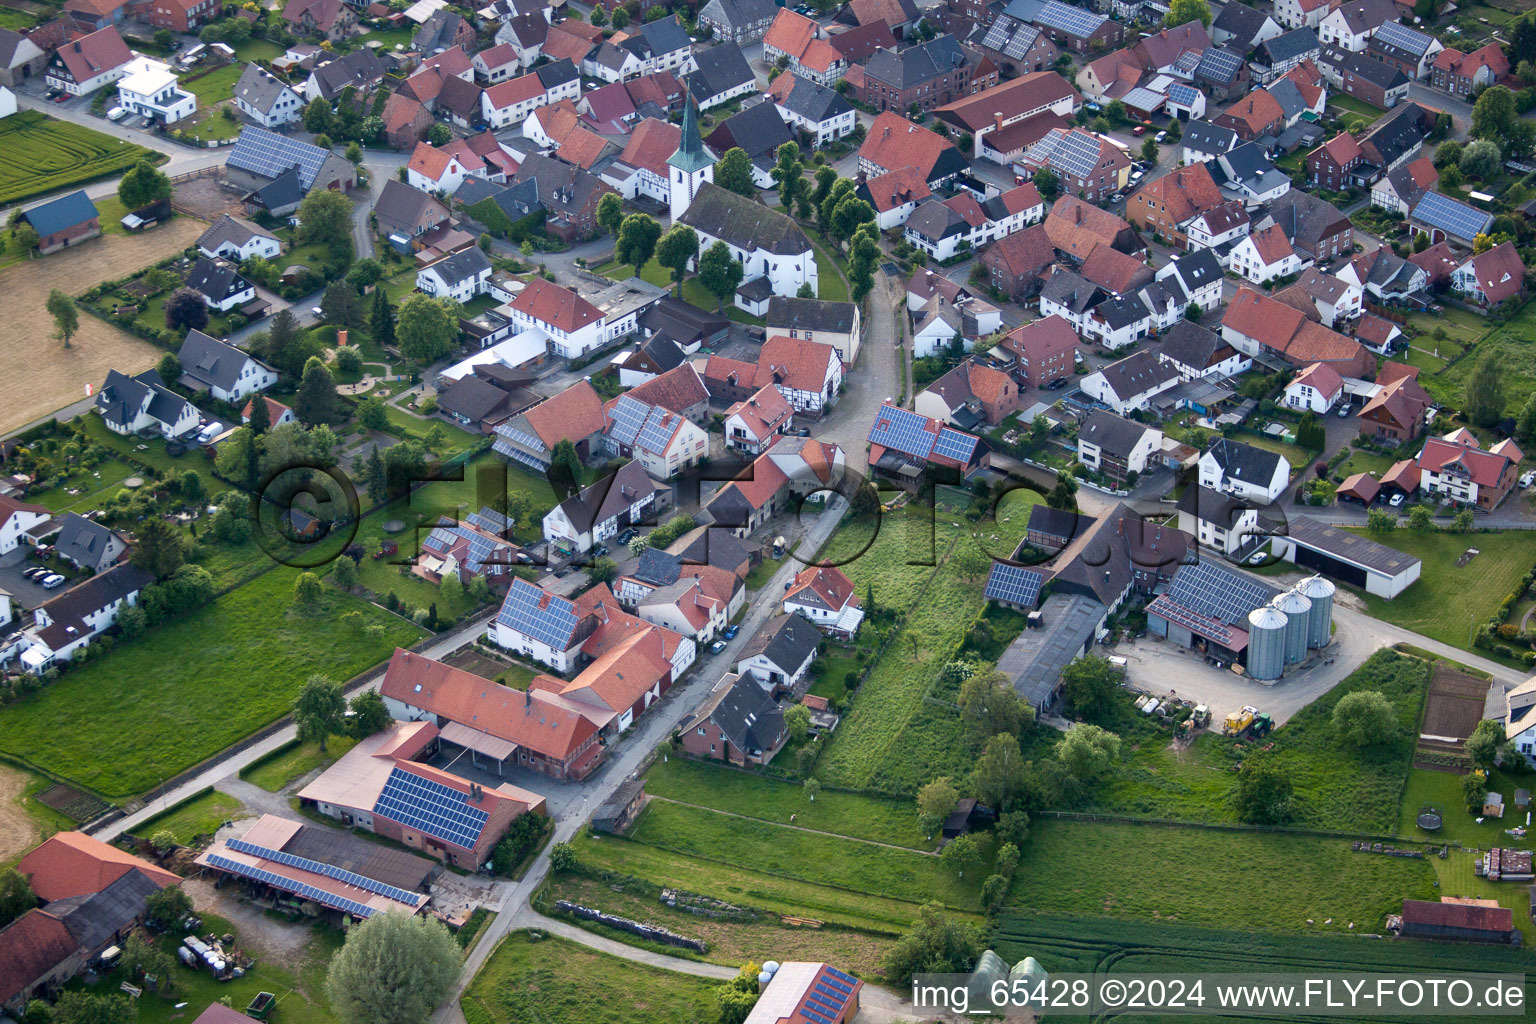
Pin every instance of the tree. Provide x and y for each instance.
(325, 218)
(610, 213)
(1183, 11)
(993, 892)
(26, 238)
(1064, 494)
(306, 589)
(935, 801)
(142, 186)
(1091, 687)
(736, 998)
(734, 173)
(1149, 149)
(678, 248)
(369, 714)
(376, 477)
(1447, 153)
(365, 272)
(619, 18)
(1494, 114)
(961, 854)
(16, 896)
(599, 16)
(143, 958)
(1310, 433)
(1088, 752)
(1485, 390)
(1474, 789)
(425, 329)
(341, 306)
(381, 318)
(261, 417)
(936, 943)
(158, 548)
(719, 272)
(321, 710)
(999, 772)
(185, 310)
(990, 705)
(169, 906)
(565, 469)
(66, 318)
(970, 561)
(1486, 744)
(1379, 520)
(789, 172)
(393, 969)
(75, 1007)
(1481, 159)
(316, 399)
(1264, 791)
(637, 240)
(1421, 519)
(1462, 523)
(1365, 718)
(797, 721)
(317, 117)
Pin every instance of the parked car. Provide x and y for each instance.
(1527, 479)
(1057, 384)
(1161, 137)
(1139, 130)
(730, 632)
(1344, 411)
(717, 647)
(52, 580)
(1396, 500)
(319, 313)
(624, 538)
(600, 551)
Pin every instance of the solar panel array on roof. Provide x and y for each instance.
(1394, 33)
(1191, 620)
(1014, 584)
(955, 445)
(1218, 65)
(554, 624)
(903, 431)
(1217, 593)
(270, 154)
(1072, 20)
(1077, 153)
(1454, 218)
(1184, 95)
(1187, 62)
(508, 439)
(328, 870)
(431, 807)
(628, 418)
(1010, 37)
(489, 520)
(277, 881)
(1141, 98)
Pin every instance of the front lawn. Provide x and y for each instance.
(189, 688)
(1361, 461)
(829, 279)
(1353, 105)
(533, 978)
(200, 816)
(694, 292)
(215, 86)
(1448, 603)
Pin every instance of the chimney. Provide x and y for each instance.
(527, 698)
(997, 120)
(341, 338)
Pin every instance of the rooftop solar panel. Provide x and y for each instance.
(627, 419)
(903, 431)
(269, 154)
(277, 881)
(490, 520)
(1218, 593)
(1451, 216)
(1014, 584)
(1396, 34)
(1184, 95)
(328, 870)
(1072, 20)
(1218, 65)
(843, 976)
(1187, 62)
(431, 807)
(955, 445)
(660, 426)
(553, 624)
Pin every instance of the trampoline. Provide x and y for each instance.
(394, 526)
(1430, 818)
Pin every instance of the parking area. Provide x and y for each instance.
(22, 590)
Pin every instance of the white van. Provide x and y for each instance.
(117, 113)
(209, 432)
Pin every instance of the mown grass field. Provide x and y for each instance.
(532, 981)
(739, 792)
(1443, 789)
(190, 688)
(215, 86)
(200, 816)
(1253, 880)
(1510, 342)
(1337, 787)
(39, 155)
(1087, 944)
(294, 760)
(1448, 603)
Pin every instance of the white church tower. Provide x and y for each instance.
(691, 165)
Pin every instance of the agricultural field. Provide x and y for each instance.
(1264, 881)
(1448, 603)
(199, 816)
(1336, 788)
(57, 376)
(1156, 947)
(533, 978)
(190, 688)
(39, 155)
(1509, 342)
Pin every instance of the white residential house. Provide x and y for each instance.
(130, 404)
(752, 425)
(459, 276)
(509, 103)
(496, 63)
(238, 240)
(66, 623)
(768, 244)
(16, 518)
(1116, 446)
(1130, 384)
(779, 655)
(808, 374)
(940, 320)
(1301, 13)
(1316, 389)
(1351, 25)
(224, 371)
(825, 596)
(685, 608)
(1253, 474)
(152, 89)
(1213, 228)
(595, 516)
(664, 442)
(260, 96)
(1199, 274)
(219, 282)
(1264, 256)
(1219, 521)
(539, 625)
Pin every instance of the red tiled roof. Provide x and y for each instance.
(1256, 112)
(1458, 915)
(552, 304)
(496, 56)
(1021, 197)
(10, 506)
(1403, 475)
(1362, 487)
(1499, 272)
(1322, 378)
(399, 111)
(1041, 340)
(1075, 226)
(1341, 149)
(74, 864)
(651, 143)
(513, 91)
(1261, 318)
(1272, 245)
(1423, 172)
(95, 54)
(574, 413)
(1374, 329)
(679, 389)
(868, 11)
(760, 481)
(893, 142)
(1024, 252)
(795, 362)
(1484, 467)
(896, 187)
(1490, 56)
(859, 44)
(1438, 261)
(1010, 99)
(557, 120)
(789, 32)
(32, 946)
(661, 88)
(723, 368)
(429, 161)
(582, 148)
(763, 412)
(986, 383)
(565, 42)
(1113, 270)
(275, 409)
(827, 583)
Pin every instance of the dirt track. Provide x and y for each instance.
(18, 833)
(45, 376)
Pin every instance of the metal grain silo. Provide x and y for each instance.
(1320, 622)
(1266, 642)
(1297, 611)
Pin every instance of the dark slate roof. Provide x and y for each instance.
(287, 189)
(720, 68)
(658, 567)
(83, 541)
(1190, 344)
(739, 13)
(530, 29)
(1305, 217)
(400, 204)
(744, 223)
(1113, 434)
(1057, 522)
(1363, 66)
(684, 322)
(121, 396)
(786, 641)
(665, 35)
(1138, 372)
(759, 130)
(811, 314)
(551, 175)
(557, 72)
(719, 548)
(747, 716)
(933, 220)
(1397, 135)
(1289, 97)
(211, 362)
(609, 496)
(462, 265)
(1242, 21)
(437, 32)
(1287, 46)
(916, 64)
(815, 102)
(1121, 311)
(1244, 461)
(217, 279)
(1071, 290)
(70, 608)
(1205, 137)
(1197, 268)
(61, 213)
(361, 69)
(1217, 507)
(259, 88)
(662, 350)
(94, 919)
(471, 397)
(521, 198)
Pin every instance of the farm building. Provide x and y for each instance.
(617, 812)
(65, 221)
(340, 872)
(1233, 619)
(1346, 557)
(1065, 629)
(1469, 921)
(799, 991)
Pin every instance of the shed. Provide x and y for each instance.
(1361, 487)
(1493, 805)
(1522, 799)
(620, 810)
(968, 814)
